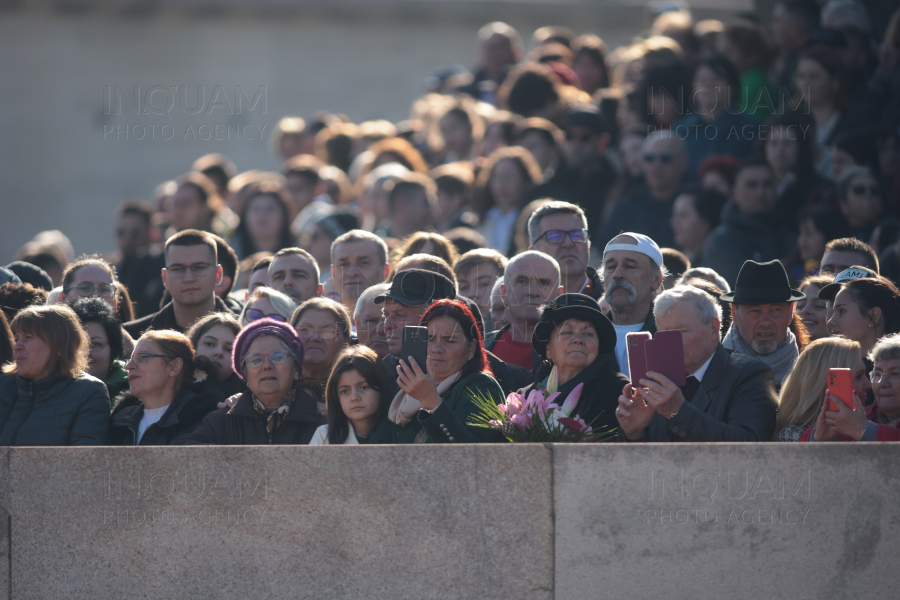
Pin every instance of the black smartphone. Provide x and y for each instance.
(415, 344)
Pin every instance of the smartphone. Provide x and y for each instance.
(637, 357)
(415, 344)
(840, 383)
(665, 355)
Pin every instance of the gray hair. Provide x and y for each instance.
(368, 294)
(887, 348)
(532, 254)
(705, 305)
(361, 235)
(847, 177)
(282, 303)
(553, 207)
(496, 289)
(707, 274)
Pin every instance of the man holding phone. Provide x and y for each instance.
(411, 293)
(728, 397)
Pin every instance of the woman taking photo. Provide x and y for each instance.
(160, 404)
(877, 422)
(434, 405)
(803, 391)
(268, 355)
(577, 340)
(357, 398)
(99, 321)
(45, 397)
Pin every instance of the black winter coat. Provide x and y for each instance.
(241, 425)
(53, 411)
(603, 385)
(182, 417)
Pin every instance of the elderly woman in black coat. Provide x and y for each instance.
(577, 341)
(275, 409)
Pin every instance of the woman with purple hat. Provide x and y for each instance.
(268, 355)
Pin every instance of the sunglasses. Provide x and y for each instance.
(255, 315)
(861, 189)
(584, 138)
(557, 236)
(665, 158)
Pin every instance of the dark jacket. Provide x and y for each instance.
(182, 416)
(596, 283)
(603, 385)
(164, 319)
(142, 276)
(447, 423)
(53, 411)
(241, 425)
(736, 402)
(741, 237)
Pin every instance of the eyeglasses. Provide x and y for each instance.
(326, 333)
(254, 315)
(143, 356)
(86, 290)
(256, 360)
(861, 189)
(558, 236)
(665, 158)
(179, 271)
(877, 376)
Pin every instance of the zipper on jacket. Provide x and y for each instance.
(27, 415)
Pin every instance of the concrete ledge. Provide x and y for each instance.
(476, 522)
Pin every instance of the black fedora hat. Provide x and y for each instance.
(573, 306)
(418, 286)
(762, 283)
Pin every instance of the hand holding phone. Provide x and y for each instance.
(840, 384)
(415, 345)
(637, 357)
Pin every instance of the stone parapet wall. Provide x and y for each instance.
(481, 522)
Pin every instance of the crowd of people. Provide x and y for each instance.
(735, 181)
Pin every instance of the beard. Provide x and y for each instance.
(624, 285)
(763, 348)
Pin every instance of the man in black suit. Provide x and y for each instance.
(728, 397)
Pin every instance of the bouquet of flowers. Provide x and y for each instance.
(538, 418)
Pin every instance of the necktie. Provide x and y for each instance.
(690, 388)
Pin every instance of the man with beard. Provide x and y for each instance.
(530, 280)
(762, 305)
(633, 273)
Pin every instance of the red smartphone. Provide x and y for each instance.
(665, 355)
(637, 357)
(840, 383)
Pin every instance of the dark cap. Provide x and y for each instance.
(418, 286)
(7, 276)
(32, 274)
(855, 272)
(585, 115)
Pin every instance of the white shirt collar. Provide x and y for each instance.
(699, 373)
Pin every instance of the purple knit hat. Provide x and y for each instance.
(283, 331)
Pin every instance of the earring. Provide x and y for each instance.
(870, 323)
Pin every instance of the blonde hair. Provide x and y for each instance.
(802, 393)
(282, 303)
(59, 328)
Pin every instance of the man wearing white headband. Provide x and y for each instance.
(633, 273)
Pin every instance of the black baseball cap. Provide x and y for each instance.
(418, 286)
(585, 115)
